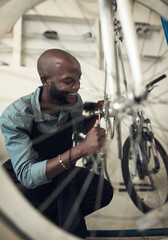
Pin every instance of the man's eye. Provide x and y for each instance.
(69, 82)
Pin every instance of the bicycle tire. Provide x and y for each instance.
(132, 188)
(66, 237)
(160, 7)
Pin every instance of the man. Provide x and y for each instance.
(38, 134)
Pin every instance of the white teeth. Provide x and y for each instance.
(73, 94)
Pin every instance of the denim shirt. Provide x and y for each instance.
(16, 124)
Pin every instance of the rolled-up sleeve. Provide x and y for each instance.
(28, 170)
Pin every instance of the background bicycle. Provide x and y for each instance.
(145, 163)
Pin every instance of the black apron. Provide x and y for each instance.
(53, 144)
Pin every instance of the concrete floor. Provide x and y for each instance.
(121, 214)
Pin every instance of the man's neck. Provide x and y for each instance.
(48, 105)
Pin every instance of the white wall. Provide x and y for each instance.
(71, 19)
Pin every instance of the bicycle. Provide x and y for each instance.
(143, 159)
(135, 147)
(129, 105)
(145, 163)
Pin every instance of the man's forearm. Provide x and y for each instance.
(58, 164)
(93, 141)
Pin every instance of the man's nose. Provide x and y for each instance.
(76, 85)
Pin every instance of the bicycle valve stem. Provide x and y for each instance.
(98, 113)
(99, 118)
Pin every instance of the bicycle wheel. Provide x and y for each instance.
(55, 44)
(146, 187)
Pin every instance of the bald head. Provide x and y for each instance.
(52, 59)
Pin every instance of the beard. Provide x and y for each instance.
(59, 95)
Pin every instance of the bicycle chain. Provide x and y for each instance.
(108, 126)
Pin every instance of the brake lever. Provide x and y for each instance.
(151, 88)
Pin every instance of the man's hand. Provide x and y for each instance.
(99, 105)
(92, 106)
(90, 121)
(94, 139)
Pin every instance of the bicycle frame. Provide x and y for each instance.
(108, 20)
(107, 16)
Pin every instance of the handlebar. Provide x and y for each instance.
(149, 85)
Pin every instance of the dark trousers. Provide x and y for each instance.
(68, 206)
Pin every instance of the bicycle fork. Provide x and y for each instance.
(143, 154)
(152, 146)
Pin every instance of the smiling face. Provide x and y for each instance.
(60, 74)
(64, 83)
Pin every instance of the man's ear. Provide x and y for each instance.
(44, 80)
